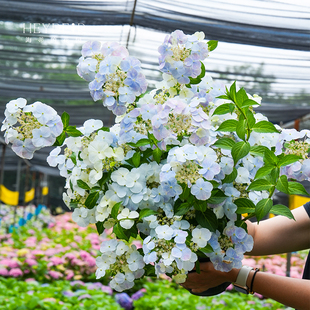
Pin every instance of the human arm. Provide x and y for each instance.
(288, 291)
(281, 234)
(272, 236)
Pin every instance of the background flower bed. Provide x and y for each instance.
(63, 295)
(61, 251)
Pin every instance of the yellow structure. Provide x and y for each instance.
(296, 201)
(29, 195)
(44, 190)
(8, 197)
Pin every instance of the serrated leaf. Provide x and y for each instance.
(228, 126)
(157, 155)
(260, 185)
(136, 159)
(182, 209)
(91, 200)
(119, 232)
(100, 228)
(115, 209)
(263, 171)
(212, 44)
(280, 209)
(207, 219)
(282, 184)
(185, 193)
(296, 188)
(146, 212)
(73, 158)
(105, 177)
(258, 150)
(262, 208)
(224, 109)
(230, 177)
(65, 118)
(248, 103)
(224, 143)
(240, 150)
(82, 184)
(223, 97)
(217, 197)
(270, 158)
(241, 129)
(72, 131)
(288, 159)
(207, 249)
(60, 139)
(241, 96)
(233, 92)
(264, 127)
(250, 118)
(244, 206)
(142, 142)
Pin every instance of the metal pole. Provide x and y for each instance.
(288, 264)
(19, 167)
(2, 169)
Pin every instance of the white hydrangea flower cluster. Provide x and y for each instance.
(30, 127)
(179, 168)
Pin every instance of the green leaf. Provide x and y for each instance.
(241, 96)
(240, 150)
(262, 208)
(270, 158)
(72, 131)
(105, 177)
(264, 127)
(105, 129)
(233, 92)
(223, 97)
(115, 209)
(212, 44)
(60, 139)
(73, 158)
(65, 118)
(82, 184)
(258, 150)
(282, 210)
(119, 232)
(136, 159)
(230, 177)
(100, 227)
(287, 160)
(146, 212)
(248, 103)
(185, 193)
(91, 200)
(296, 188)
(217, 196)
(282, 184)
(142, 142)
(224, 143)
(241, 129)
(157, 155)
(251, 119)
(228, 126)
(203, 71)
(260, 185)
(224, 109)
(207, 219)
(263, 171)
(244, 206)
(197, 265)
(182, 208)
(207, 249)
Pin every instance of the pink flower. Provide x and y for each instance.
(55, 274)
(70, 275)
(31, 262)
(57, 260)
(15, 272)
(3, 272)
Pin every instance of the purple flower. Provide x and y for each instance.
(124, 300)
(137, 295)
(202, 189)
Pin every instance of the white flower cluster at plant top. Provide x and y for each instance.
(180, 166)
(30, 127)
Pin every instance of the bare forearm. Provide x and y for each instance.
(280, 234)
(288, 291)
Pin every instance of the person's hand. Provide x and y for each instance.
(207, 278)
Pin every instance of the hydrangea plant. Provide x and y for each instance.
(179, 168)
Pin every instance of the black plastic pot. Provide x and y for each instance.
(214, 290)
